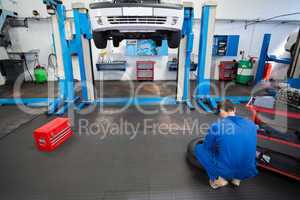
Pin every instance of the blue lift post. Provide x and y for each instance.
(203, 85)
(202, 95)
(202, 92)
(263, 58)
(70, 48)
(83, 28)
(67, 94)
(187, 31)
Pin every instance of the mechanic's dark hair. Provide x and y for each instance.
(226, 105)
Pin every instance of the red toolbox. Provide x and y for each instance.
(53, 134)
(145, 70)
(228, 70)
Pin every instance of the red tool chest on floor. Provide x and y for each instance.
(145, 70)
(53, 134)
(228, 70)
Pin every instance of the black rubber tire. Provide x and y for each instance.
(191, 158)
(293, 50)
(116, 42)
(174, 39)
(100, 40)
(158, 42)
(297, 133)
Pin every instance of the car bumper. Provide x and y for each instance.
(140, 19)
(112, 5)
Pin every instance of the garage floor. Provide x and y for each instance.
(122, 89)
(144, 165)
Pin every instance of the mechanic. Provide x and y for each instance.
(229, 149)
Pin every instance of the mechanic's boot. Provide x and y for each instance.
(236, 182)
(220, 182)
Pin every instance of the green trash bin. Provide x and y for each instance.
(245, 72)
(40, 75)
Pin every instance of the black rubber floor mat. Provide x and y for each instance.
(12, 118)
(150, 166)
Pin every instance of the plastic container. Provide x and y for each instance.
(40, 74)
(245, 72)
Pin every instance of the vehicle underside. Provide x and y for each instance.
(136, 19)
(101, 38)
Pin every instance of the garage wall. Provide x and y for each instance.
(257, 9)
(254, 9)
(37, 37)
(38, 34)
(250, 42)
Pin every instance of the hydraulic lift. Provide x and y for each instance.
(279, 150)
(66, 47)
(202, 94)
(72, 38)
(72, 46)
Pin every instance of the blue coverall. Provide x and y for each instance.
(229, 149)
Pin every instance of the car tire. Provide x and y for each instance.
(293, 51)
(174, 39)
(100, 40)
(158, 42)
(191, 158)
(297, 133)
(116, 42)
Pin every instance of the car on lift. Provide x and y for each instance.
(117, 20)
(290, 44)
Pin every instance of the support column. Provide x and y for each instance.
(67, 81)
(205, 49)
(82, 37)
(263, 57)
(58, 54)
(184, 56)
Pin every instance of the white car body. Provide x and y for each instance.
(291, 41)
(139, 19)
(129, 19)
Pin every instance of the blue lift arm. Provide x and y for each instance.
(264, 57)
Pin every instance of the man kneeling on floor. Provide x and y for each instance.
(229, 149)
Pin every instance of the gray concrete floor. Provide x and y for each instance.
(91, 166)
(123, 89)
